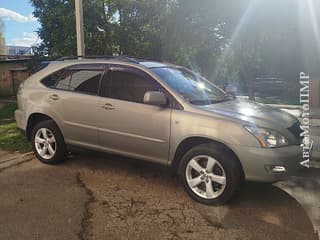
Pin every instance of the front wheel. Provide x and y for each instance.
(47, 143)
(210, 175)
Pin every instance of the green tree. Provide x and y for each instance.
(57, 27)
(196, 33)
(99, 27)
(225, 68)
(128, 27)
(137, 30)
(224, 40)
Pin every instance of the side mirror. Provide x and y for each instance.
(155, 98)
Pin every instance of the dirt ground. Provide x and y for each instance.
(99, 196)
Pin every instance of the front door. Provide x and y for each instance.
(129, 126)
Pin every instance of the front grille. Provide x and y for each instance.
(296, 130)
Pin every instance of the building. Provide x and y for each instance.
(12, 72)
(18, 51)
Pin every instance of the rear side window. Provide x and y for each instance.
(64, 79)
(131, 86)
(52, 79)
(83, 78)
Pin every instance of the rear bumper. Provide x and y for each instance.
(256, 162)
(20, 119)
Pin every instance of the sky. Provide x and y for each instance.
(20, 25)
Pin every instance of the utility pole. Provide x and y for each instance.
(79, 28)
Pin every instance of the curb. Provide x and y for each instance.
(16, 160)
(28, 154)
(8, 100)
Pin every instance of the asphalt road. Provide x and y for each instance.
(98, 196)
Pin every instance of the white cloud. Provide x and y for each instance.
(14, 16)
(27, 39)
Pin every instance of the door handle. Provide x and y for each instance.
(108, 106)
(54, 97)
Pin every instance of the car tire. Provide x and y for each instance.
(47, 142)
(211, 174)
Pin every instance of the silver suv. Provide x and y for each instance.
(161, 113)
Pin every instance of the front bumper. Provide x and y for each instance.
(256, 162)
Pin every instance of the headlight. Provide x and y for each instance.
(268, 138)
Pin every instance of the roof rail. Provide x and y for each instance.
(123, 58)
(98, 57)
(127, 59)
(66, 58)
(106, 57)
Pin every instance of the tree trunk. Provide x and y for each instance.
(250, 90)
(251, 94)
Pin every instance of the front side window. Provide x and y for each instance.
(191, 86)
(131, 86)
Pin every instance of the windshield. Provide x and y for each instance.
(191, 86)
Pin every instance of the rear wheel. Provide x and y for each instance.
(210, 175)
(47, 143)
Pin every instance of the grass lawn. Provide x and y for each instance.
(11, 138)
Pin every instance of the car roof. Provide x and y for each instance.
(152, 64)
(116, 60)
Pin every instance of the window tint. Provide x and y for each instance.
(191, 86)
(64, 79)
(52, 79)
(85, 81)
(84, 78)
(130, 86)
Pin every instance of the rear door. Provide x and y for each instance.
(129, 126)
(76, 99)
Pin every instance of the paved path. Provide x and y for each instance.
(98, 196)
(138, 201)
(40, 202)
(8, 160)
(306, 190)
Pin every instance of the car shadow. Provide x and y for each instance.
(262, 211)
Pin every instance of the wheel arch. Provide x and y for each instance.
(34, 119)
(193, 141)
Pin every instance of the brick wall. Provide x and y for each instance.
(6, 73)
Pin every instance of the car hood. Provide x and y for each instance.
(252, 112)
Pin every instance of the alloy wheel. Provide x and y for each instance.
(206, 177)
(45, 143)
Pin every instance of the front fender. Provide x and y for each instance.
(186, 125)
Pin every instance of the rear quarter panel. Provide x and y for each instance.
(34, 100)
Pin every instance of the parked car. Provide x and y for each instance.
(162, 113)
